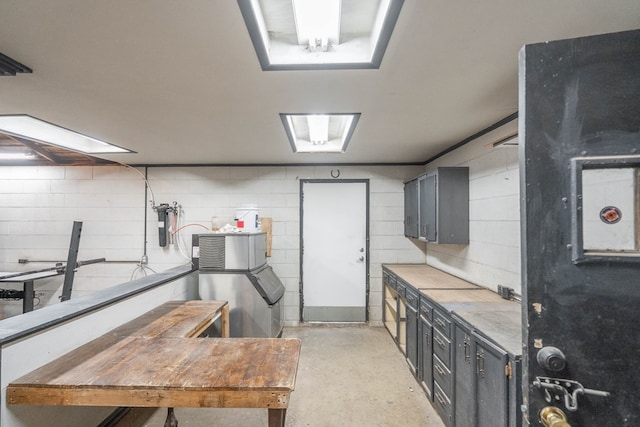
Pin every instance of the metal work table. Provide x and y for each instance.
(27, 284)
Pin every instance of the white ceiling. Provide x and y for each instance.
(179, 81)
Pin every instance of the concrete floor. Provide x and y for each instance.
(348, 376)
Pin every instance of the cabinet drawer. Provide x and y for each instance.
(443, 404)
(393, 284)
(442, 322)
(442, 347)
(443, 376)
(412, 298)
(401, 288)
(426, 309)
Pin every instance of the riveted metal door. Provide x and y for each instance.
(579, 162)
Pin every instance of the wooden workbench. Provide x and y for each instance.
(145, 365)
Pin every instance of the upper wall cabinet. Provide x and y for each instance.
(440, 202)
(411, 209)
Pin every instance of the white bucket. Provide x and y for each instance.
(247, 218)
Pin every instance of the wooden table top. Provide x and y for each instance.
(175, 319)
(156, 361)
(172, 372)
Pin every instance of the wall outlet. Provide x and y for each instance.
(505, 292)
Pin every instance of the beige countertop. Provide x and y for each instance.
(422, 276)
(484, 310)
(449, 296)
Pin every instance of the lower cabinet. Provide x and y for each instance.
(484, 376)
(463, 369)
(491, 391)
(411, 301)
(441, 361)
(425, 350)
(390, 316)
(466, 354)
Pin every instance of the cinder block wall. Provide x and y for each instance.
(41, 204)
(492, 257)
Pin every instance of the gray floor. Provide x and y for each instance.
(348, 376)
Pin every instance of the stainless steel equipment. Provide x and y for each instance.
(232, 267)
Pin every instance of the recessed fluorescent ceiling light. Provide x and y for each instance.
(27, 127)
(319, 133)
(17, 156)
(320, 34)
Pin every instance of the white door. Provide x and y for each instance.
(334, 251)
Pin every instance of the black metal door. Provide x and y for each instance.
(579, 162)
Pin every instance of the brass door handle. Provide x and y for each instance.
(553, 417)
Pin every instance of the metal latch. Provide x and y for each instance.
(508, 370)
(568, 388)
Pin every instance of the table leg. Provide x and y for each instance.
(27, 296)
(171, 420)
(276, 417)
(225, 321)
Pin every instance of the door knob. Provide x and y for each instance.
(551, 359)
(553, 417)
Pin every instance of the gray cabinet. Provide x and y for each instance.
(390, 315)
(411, 300)
(444, 206)
(394, 311)
(427, 208)
(437, 206)
(486, 377)
(442, 376)
(463, 344)
(491, 393)
(411, 209)
(463, 368)
(425, 349)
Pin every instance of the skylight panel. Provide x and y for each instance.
(320, 34)
(319, 133)
(27, 127)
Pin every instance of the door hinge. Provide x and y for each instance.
(508, 370)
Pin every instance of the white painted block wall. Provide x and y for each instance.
(41, 204)
(492, 257)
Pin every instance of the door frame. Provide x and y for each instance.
(367, 237)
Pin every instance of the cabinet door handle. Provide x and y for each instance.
(441, 400)
(440, 371)
(441, 323)
(467, 349)
(480, 363)
(440, 342)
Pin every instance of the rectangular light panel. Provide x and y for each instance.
(27, 127)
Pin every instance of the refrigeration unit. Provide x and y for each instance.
(233, 267)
